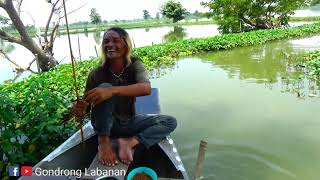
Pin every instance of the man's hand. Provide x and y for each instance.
(98, 95)
(79, 108)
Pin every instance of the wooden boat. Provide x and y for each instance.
(163, 158)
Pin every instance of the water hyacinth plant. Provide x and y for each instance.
(312, 62)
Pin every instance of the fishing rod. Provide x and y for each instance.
(79, 119)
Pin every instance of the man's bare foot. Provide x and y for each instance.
(105, 152)
(125, 149)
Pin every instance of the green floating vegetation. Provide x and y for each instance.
(34, 113)
(168, 52)
(312, 62)
(304, 19)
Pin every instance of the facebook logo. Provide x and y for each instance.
(14, 171)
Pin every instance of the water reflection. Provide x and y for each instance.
(161, 70)
(90, 43)
(6, 47)
(271, 64)
(259, 63)
(253, 132)
(178, 33)
(19, 74)
(86, 32)
(97, 35)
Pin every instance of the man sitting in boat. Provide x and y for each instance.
(110, 92)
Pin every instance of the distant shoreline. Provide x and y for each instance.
(89, 28)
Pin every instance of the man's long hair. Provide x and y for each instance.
(125, 37)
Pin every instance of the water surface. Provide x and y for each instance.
(251, 107)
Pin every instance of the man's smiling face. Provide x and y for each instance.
(114, 46)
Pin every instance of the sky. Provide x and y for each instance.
(108, 9)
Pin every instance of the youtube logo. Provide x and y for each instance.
(26, 171)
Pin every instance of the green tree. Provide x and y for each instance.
(196, 13)
(173, 10)
(244, 15)
(314, 2)
(158, 15)
(43, 53)
(3, 20)
(95, 16)
(146, 14)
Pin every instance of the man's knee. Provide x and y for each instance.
(173, 122)
(169, 121)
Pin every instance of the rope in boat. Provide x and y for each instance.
(80, 120)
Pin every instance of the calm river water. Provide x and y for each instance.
(260, 120)
(88, 43)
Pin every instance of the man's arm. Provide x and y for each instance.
(142, 87)
(99, 94)
(134, 90)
